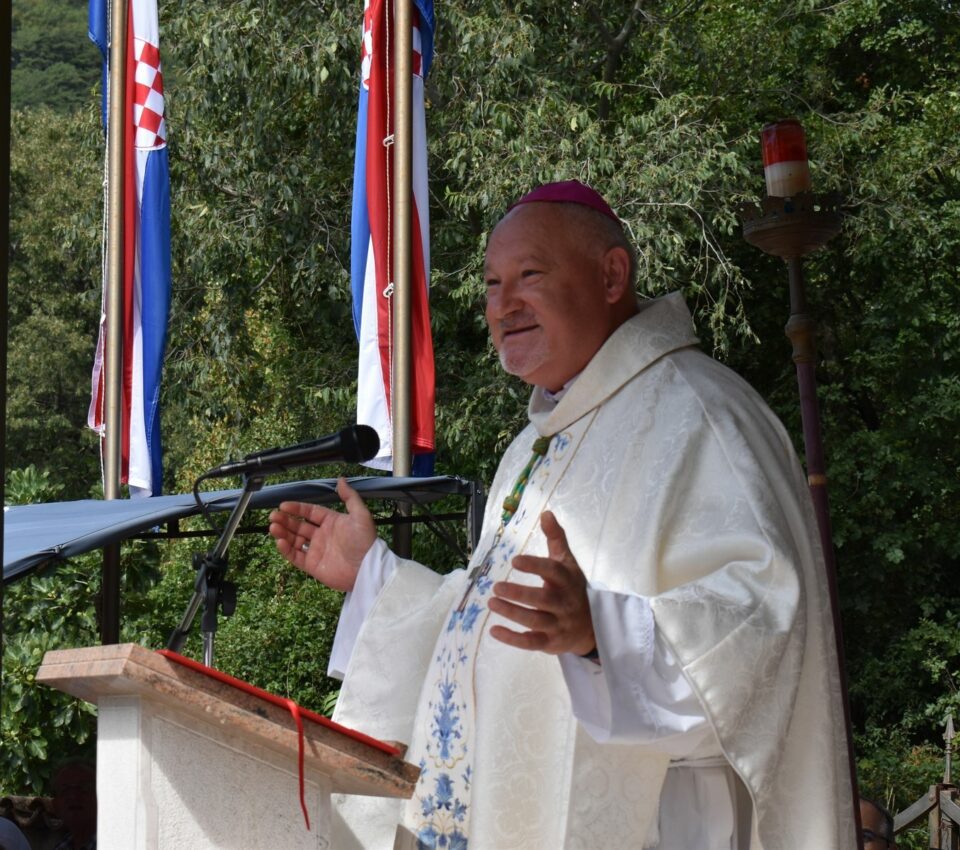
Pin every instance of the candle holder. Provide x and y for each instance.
(791, 227)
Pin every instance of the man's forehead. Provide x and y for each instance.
(531, 222)
(526, 232)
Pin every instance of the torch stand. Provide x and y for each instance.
(790, 228)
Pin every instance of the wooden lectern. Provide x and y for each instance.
(184, 760)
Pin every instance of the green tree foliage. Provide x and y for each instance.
(54, 65)
(50, 610)
(658, 103)
(54, 302)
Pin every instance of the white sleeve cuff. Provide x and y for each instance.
(637, 693)
(376, 568)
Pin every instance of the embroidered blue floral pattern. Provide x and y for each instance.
(441, 802)
(445, 728)
(470, 617)
(445, 814)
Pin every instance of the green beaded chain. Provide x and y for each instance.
(512, 502)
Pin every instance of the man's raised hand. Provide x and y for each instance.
(329, 545)
(556, 614)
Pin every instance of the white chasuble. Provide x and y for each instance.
(672, 480)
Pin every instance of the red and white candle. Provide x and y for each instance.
(785, 159)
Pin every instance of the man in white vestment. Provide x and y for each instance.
(640, 653)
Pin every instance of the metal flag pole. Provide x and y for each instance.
(6, 29)
(401, 236)
(790, 223)
(113, 365)
(114, 336)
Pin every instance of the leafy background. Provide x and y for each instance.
(658, 104)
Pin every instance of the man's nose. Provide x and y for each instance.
(505, 301)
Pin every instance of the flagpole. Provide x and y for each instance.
(113, 365)
(6, 21)
(401, 235)
(114, 336)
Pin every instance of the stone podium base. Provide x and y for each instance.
(185, 761)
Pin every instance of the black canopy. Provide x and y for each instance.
(34, 534)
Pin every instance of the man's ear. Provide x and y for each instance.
(616, 274)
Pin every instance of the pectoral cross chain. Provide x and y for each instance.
(510, 505)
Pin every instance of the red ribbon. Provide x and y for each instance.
(296, 712)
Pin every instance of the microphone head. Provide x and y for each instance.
(359, 443)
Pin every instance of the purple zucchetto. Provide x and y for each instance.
(568, 192)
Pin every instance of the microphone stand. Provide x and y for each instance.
(211, 587)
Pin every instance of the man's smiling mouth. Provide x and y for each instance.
(521, 330)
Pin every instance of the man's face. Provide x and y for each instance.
(547, 307)
(873, 828)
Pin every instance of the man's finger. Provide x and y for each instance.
(299, 510)
(549, 569)
(287, 521)
(530, 618)
(280, 518)
(525, 594)
(536, 641)
(288, 549)
(280, 528)
(351, 498)
(557, 546)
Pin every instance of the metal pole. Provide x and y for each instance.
(114, 337)
(6, 29)
(401, 235)
(113, 365)
(801, 330)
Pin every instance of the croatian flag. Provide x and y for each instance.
(146, 254)
(371, 261)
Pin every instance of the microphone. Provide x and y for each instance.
(351, 445)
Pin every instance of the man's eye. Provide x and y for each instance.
(491, 281)
(530, 273)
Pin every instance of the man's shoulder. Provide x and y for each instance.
(711, 382)
(688, 390)
(724, 402)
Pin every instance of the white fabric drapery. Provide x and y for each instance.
(684, 489)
